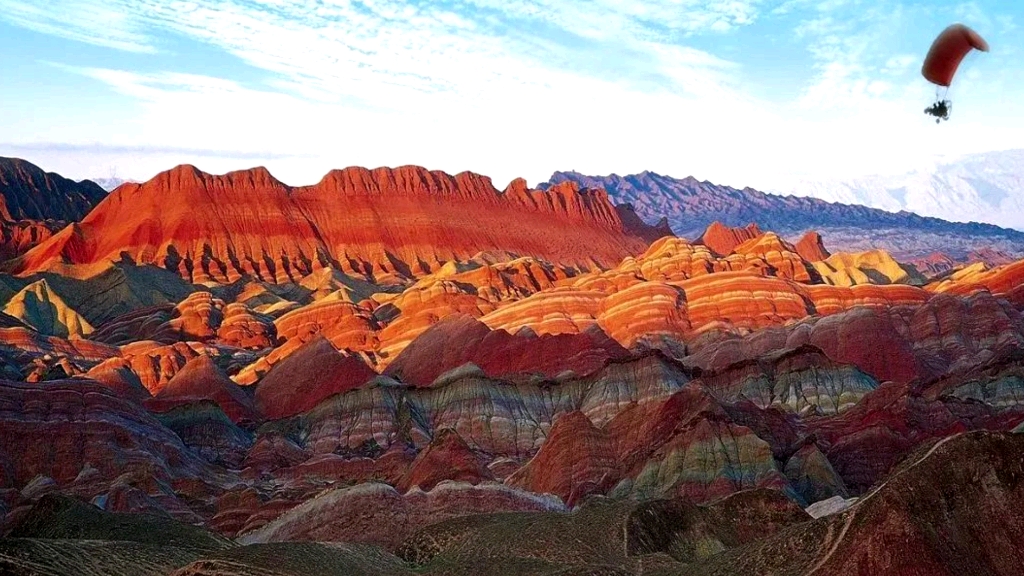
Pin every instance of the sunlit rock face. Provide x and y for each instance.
(277, 233)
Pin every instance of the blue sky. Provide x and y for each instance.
(741, 92)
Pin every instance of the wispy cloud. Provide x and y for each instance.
(855, 67)
(339, 50)
(91, 21)
(143, 149)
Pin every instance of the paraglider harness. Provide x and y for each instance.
(940, 110)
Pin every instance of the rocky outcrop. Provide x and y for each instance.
(305, 378)
(872, 267)
(61, 429)
(575, 460)
(942, 506)
(811, 247)
(494, 417)
(39, 307)
(19, 237)
(722, 239)
(201, 379)
(151, 363)
(447, 457)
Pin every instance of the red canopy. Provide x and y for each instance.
(948, 50)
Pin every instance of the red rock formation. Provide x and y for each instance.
(420, 220)
(811, 247)
(990, 256)
(779, 255)
(345, 324)
(243, 328)
(446, 458)
(499, 353)
(58, 428)
(722, 239)
(310, 374)
(389, 467)
(950, 509)
(640, 429)
(934, 264)
(16, 238)
(151, 362)
(865, 442)
(422, 306)
(197, 317)
(273, 451)
(575, 460)
(201, 379)
(829, 300)
(1006, 281)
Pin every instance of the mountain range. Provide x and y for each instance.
(690, 206)
(686, 206)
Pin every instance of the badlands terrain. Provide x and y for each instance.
(401, 371)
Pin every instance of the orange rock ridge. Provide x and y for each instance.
(811, 247)
(379, 223)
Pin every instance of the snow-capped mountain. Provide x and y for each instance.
(109, 184)
(986, 187)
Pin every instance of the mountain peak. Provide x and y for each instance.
(811, 247)
(27, 192)
(722, 239)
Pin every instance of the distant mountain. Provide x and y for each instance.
(985, 187)
(29, 193)
(108, 184)
(691, 206)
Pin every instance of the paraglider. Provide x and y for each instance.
(942, 61)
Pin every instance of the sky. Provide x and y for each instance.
(739, 92)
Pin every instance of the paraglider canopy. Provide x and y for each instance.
(948, 51)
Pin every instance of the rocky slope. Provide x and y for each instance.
(691, 205)
(953, 506)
